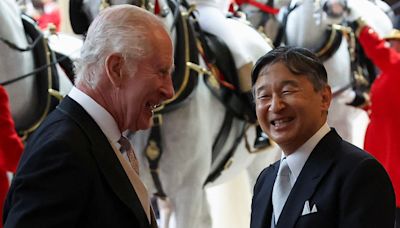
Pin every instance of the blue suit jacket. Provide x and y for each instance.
(348, 186)
(69, 176)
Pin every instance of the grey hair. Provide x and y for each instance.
(119, 29)
(299, 61)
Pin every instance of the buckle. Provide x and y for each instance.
(153, 152)
(228, 164)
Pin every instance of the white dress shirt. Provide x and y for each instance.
(298, 158)
(101, 116)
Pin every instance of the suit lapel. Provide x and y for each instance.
(314, 169)
(262, 208)
(105, 157)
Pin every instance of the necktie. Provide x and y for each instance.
(138, 185)
(126, 147)
(282, 188)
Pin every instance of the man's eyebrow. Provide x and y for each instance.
(260, 88)
(283, 83)
(289, 82)
(168, 69)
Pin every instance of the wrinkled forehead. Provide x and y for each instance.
(274, 70)
(266, 69)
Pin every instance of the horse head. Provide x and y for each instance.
(376, 13)
(304, 22)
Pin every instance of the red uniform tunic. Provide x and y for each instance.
(382, 138)
(10, 146)
(52, 15)
(46, 19)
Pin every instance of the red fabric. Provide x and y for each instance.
(10, 146)
(157, 9)
(382, 138)
(259, 5)
(53, 17)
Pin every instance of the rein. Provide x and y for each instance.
(176, 15)
(281, 36)
(34, 72)
(30, 47)
(263, 7)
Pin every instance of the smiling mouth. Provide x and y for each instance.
(281, 122)
(153, 106)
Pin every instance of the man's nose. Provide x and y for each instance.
(277, 104)
(168, 89)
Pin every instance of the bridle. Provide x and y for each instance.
(30, 47)
(20, 49)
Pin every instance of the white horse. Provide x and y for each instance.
(268, 22)
(187, 137)
(307, 25)
(386, 8)
(30, 100)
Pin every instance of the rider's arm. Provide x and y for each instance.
(377, 49)
(10, 144)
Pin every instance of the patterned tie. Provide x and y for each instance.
(282, 188)
(126, 147)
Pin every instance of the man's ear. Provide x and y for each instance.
(326, 97)
(114, 64)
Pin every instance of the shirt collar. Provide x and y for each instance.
(100, 115)
(298, 158)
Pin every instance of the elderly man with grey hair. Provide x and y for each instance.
(78, 170)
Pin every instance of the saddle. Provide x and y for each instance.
(224, 85)
(217, 56)
(221, 57)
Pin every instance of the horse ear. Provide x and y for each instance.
(79, 20)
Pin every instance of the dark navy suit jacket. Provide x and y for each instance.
(69, 176)
(347, 185)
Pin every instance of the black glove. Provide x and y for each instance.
(361, 100)
(357, 25)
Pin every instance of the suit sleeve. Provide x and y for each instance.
(51, 187)
(378, 50)
(10, 144)
(367, 197)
